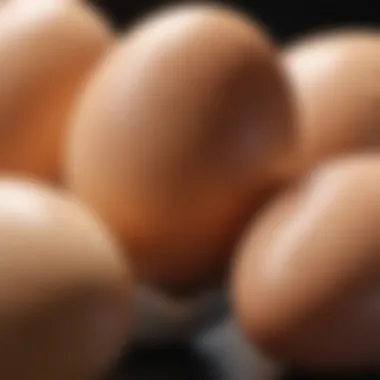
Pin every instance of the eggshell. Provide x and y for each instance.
(177, 138)
(65, 288)
(47, 47)
(305, 284)
(334, 75)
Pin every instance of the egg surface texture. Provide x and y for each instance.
(334, 75)
(46, 49)
(305, 285)
(65, 289)
(175, 137)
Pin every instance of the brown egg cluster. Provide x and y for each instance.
(143, 172)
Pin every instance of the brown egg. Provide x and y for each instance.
(65, 289)
(335, 79)
(46, 49)
(177, 138)
(305, 285)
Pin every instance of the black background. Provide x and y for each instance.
(285, 19)
(221, 355)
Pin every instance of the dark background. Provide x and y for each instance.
(221, 354)
(285, 18)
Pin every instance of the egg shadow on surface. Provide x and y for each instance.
(216, 354)
(177, 361)
(353, 376)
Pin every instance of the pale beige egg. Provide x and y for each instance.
(65, 287)
(334, 75)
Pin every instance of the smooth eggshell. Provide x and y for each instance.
(47, 47)
(65, 289)
(305, 281)
(334, 76)
(177, 138)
